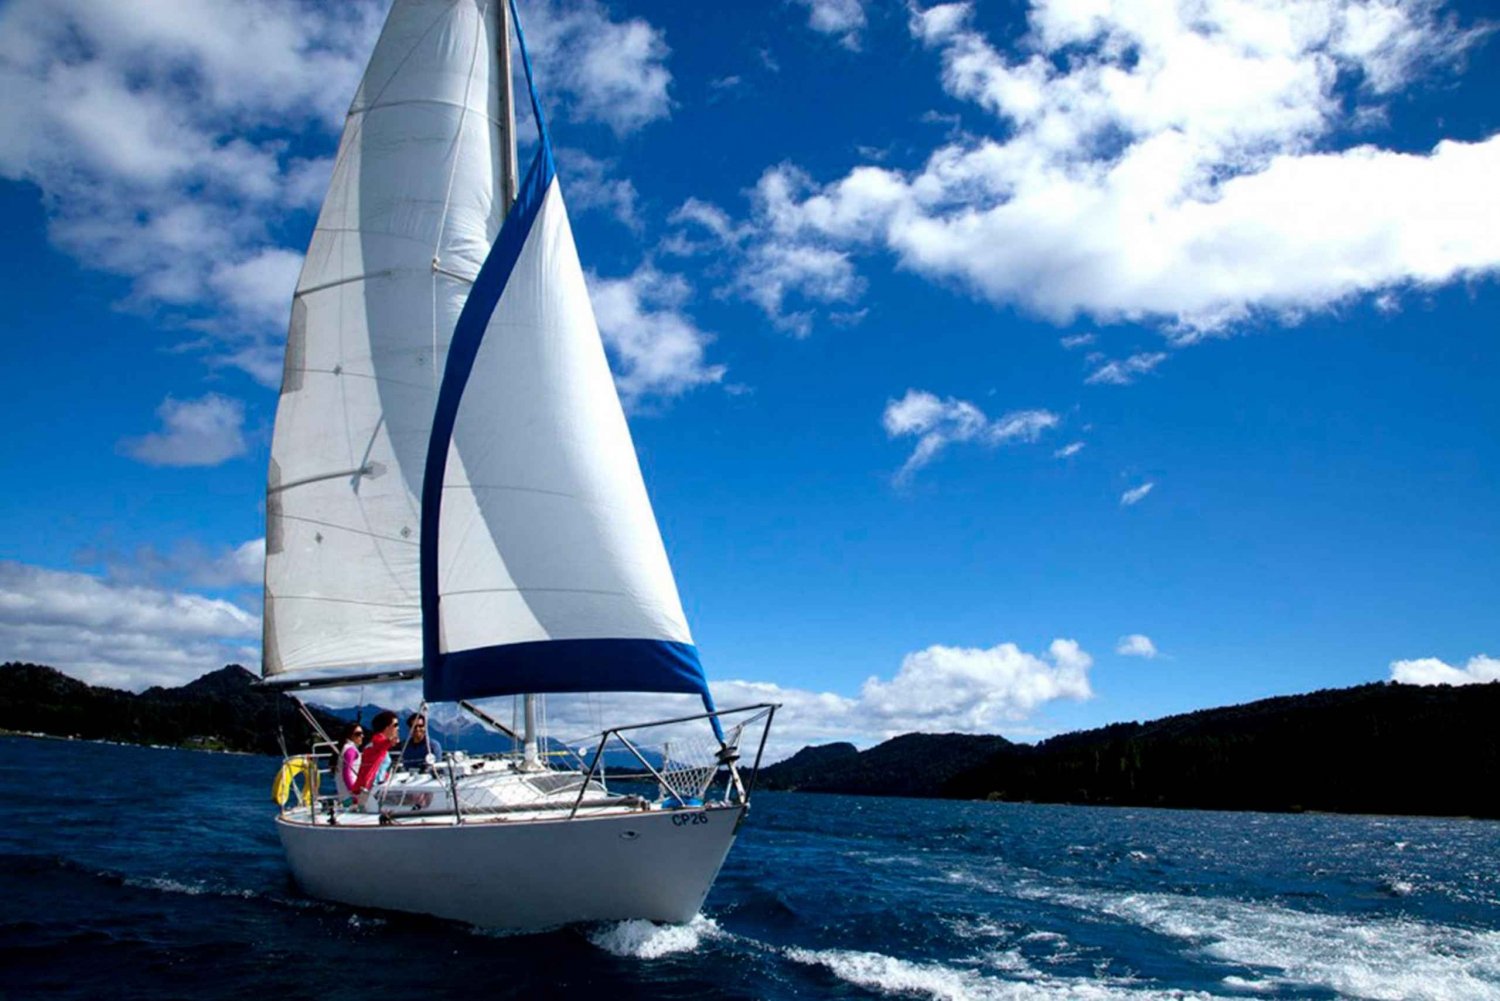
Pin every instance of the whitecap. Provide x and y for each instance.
(165, 885)
(1376, 958)
(887, 973)
(976, 928)
(170, 886)
(892, 975)
(1245, 984)
(639, 939)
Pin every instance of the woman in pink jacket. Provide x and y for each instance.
(346, 768)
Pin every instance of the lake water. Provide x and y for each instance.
(140, 873)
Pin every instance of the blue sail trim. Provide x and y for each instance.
(566, 665)
(606, 665)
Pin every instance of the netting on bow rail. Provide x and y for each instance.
(688, 766)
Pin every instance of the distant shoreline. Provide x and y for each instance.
(4, 732)
(1381, 749)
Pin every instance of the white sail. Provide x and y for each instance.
(546, 531)
(410, 214)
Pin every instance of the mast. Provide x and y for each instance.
(509, 172)
(509, 181)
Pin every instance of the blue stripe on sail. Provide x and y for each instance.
(567, 666)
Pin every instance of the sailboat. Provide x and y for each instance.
(454, 495)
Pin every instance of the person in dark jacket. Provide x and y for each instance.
(418, 744)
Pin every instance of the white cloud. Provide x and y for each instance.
(775, 271)
(657, 349)
(1480, 669)
(1069, 450)
(187, 563)
(939, 689)
(1136, 645)
(1077, 341)
(936, 423)
(170, 141)
(1136, 494)
(1122, 372)
(246, 564)
(201, 432)
(1176, 164)
(259, 286)
(768, 270)
(590, 186)
(125, 636)
(158, 134)
(611, 71)
(970, 689)
(843, 18)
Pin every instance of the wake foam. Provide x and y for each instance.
(163, 884)
(888, 974)
(638, 939)
(1375, 958)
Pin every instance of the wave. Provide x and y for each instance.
(1362, 957)
(941, 982)
(42, 865)
(638, 939)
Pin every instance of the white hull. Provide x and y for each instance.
(653, 864)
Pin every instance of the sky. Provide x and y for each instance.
(993, 367)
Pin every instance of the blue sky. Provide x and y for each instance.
(1001, 368)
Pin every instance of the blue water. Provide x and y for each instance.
(141, 873)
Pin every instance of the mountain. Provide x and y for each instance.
(221, 710)
(914, 764)
(1380, 748)
(457, 730)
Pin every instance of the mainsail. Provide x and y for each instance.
(452, 481)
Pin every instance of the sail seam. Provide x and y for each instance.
(385, 380)
(502, 486)
(542, 590)
(344, 601)
(345, 528)
(424, 100)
